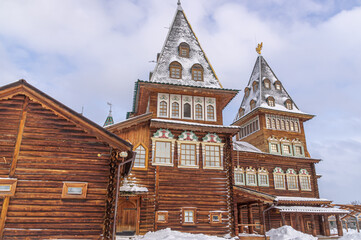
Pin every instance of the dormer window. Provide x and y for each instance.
(267, 83)
(278, 85)
(252, 104)
(255, 86)
(246, 92)
(183, 50)
(240, 112)
(175, 70)
(197, 72)
(271, 101)
(289, 104)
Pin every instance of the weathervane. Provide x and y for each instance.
(110, 105)
(259, 48)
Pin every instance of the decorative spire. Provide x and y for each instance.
(179, 5)
(109, 120)
(259, 48)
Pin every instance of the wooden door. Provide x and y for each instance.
(127, 216)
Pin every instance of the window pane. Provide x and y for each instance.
(140, 157)
(292, 182)
(162, 152)
(279, 181)
(175, 109)
(263, 180)
(210, 112)
(163, 109)
(212, 156)
(187, 110)
(199, 111)
(75, 190)
(5, 188)
(188, 155)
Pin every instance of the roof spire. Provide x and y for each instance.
(259, 48)
(109, 120)
(179, 5)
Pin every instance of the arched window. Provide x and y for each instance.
(187, 110)
(199, 111)
(246, 91)
(305, 180)
(210, 112)
(267, 83)
(292, 182)
(197, 72)
(269, 123)
(252, 104)
(273, 123)
(239, 176)
(175, 109)
(283, 125)
(141, 157)
(184, 49)
(263, 179)
(296, 127)
(251, 177)
(289, 104)
(278, 124)
(175, 70)
(278, 85)
(271, 101)
(279, 178)
(255, 86)
(292, 126)
(163, 109)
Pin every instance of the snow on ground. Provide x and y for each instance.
(168, 234)
(288, 233)
(351, 234)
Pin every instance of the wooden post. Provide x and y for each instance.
(235, 207)
(339, 225)
(297, 222)
(314, 232)
(302, 223)
(327, 225)
(291, 220)
(261, 219)
(283, 219)
(357, 225)
(240, 218)
(250, 218)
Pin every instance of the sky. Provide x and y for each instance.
(86, 53)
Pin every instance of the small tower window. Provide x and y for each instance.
(267, 83)
(184, 50)
(163, 109)
(271, 101)
(199, 111)
(278, 85)
(240, 112)
(255, 86)
(175, 109)
(197, 72)
(289, 104)
(187, 110)
(252, 104)
(210, 112)
(246, 92)
(175, 70)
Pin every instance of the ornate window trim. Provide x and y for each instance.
(304, 176)
(163, 97)
(187, 100)
(298, 144)
(249, 127)
(175, 99)
(292, 180)
(163, 135)
(279, 174)
(198, 101)
(212, 139)
(175, 70)
(263, 172)
(272, 141)
(188, 138)
(285, 143)
(240, 172)
(251, 172)
(146, 157)
(210, 102)
(184, 50)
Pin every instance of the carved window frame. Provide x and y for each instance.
(272, 141)
(145, 167)
(162, 213)
(175, 70)
(198, 101)
(303, 174)
(210, 102)
(174, 98)
(263, 172)
(251, 172)
(292, 180)
(163, 97)
(278, 173)
(186, 99)
(9, 185)
(165, 136)
(240, 172)
(65, 192)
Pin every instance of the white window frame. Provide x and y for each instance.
(303, 173)
(187, 99)
(200, 101)
(281, 174)
(251, 172)
(175, 99)
(138, 155)
(263, 172)
(291, 174)
(239, 171)
(212, 102)
(163, 97)
(220, 145)
(196, 154)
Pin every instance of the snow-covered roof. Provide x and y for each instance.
(262, 71)
(180, 31)
(302, 209)
(301, 199)
(193, 123)
(245, 147)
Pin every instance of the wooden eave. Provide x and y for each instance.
(249, 195)
(192, 127)
(303, 203)
(130, 122)
(303, 116)
(22, 87)
(223, 95)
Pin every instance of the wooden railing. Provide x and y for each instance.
(251, 228)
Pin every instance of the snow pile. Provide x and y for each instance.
(351, 234)
(288, 233)
(168, 234)
(131, 187)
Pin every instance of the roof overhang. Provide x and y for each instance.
(246, 195)
(303, 209)
(130, 122)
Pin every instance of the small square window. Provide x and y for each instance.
(274, 147)
(215, 217)
(189, 216)
(8, 186)
(74, 190)
(162, 217)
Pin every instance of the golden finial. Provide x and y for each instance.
(259, 48)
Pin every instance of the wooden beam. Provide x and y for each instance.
(339, 225)
(250, 219)
(314, 232)
(326, 225)
(235, 207)
(261, 208)
(4, 212)
(283, 219)
(302, 223)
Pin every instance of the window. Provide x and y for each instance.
(267, 83)
(188, 155)
(298, 150)
(274, 147)
(292, 128)
(163, 152)
(175, 110)
(184, 49)
(8, 186)
(199, 112)
(268, 123)
(278, 85)
(279, 178)
(197, 72)
(162, 216)
(239, 176)
(271, 101)
(252, 104)
(175, 70)
(212, 149)
(251, 177)
(163, 109)
(246, 92)
(212, 156)
(263, 179)
(255, 86)
(292, 182)
(163, 147)
(278, 126)
(289, 104)
(249, 127)
(74, 190)
(210, 113)
(189, 216)
(187, 110)
(286, 149)
(141, 157)
(296, 127)
(240, 112)
(305, 180)
(215, 217)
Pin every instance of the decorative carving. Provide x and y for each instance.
(278, 170)
(212, 138)
(291, 171)
(188, 136)
(163, 133)
(259, 48)
(303, 172)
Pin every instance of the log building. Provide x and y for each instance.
(58, 170)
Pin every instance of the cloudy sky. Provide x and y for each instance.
(86, 53)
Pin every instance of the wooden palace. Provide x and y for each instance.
(58, 170)
(193, 174)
